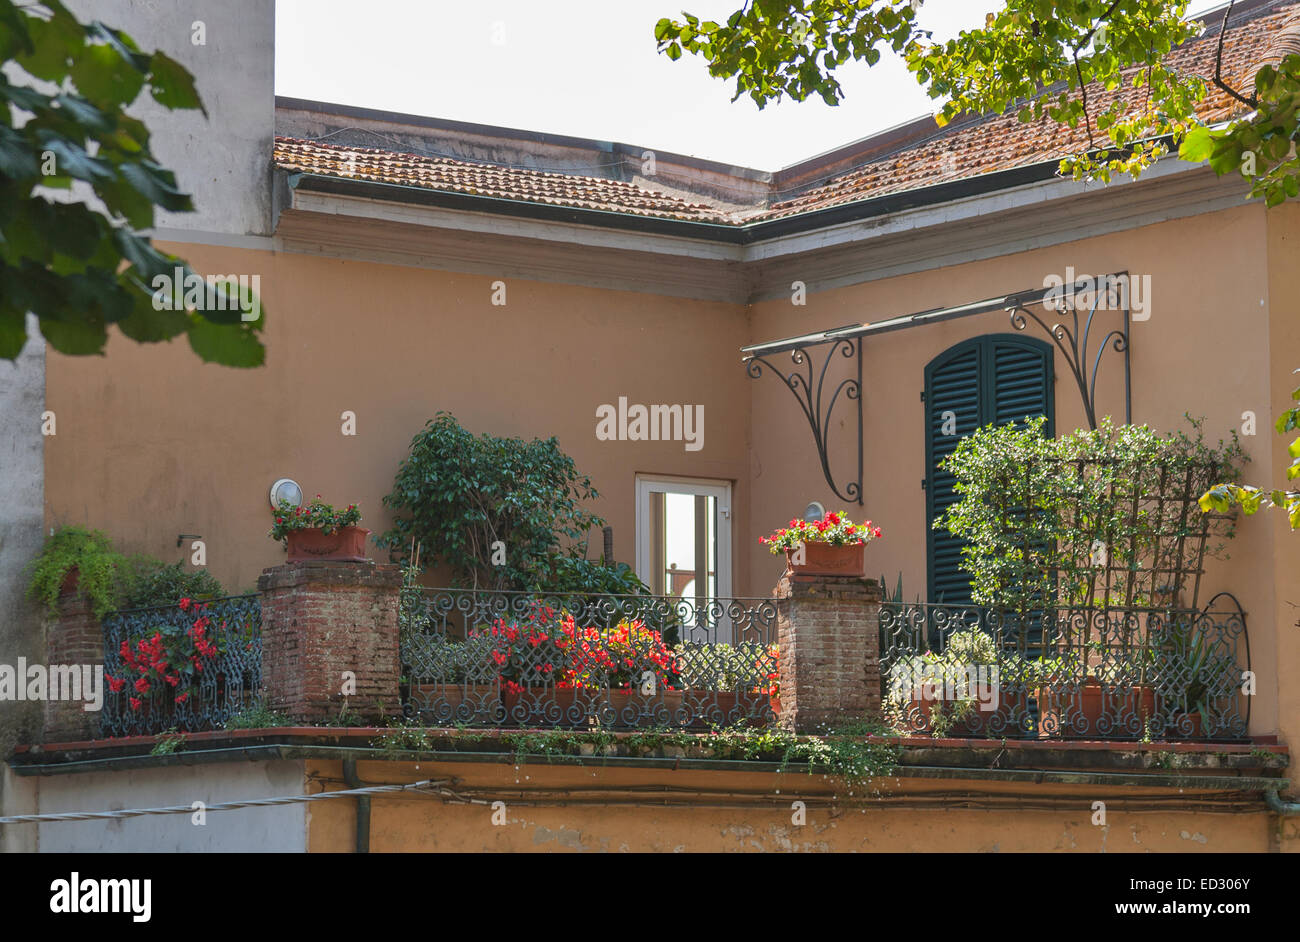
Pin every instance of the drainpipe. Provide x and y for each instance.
(363, 806)
(1276, 805)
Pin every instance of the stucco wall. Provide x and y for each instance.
(22, 400)
(1204, 350)
(223, 160)
(277, 829)
(422, 824)
(157, 444)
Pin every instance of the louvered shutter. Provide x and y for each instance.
(1000, 379)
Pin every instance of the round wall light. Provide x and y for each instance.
(286, 489)
(814, 512)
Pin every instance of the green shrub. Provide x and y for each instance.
(457, 494)
(1103, 517)
(151, 582)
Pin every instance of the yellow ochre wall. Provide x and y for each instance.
(415, 823)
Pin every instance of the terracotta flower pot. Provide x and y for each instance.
(346, 544)
(826, 559)
(1008, 715)
(1079, 711)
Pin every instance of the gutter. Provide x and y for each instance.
(1287, 809)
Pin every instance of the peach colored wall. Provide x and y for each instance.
(1284, 357)
(152, 443)
(1209, 276)
(412, 823)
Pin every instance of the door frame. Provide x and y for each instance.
(708, 487)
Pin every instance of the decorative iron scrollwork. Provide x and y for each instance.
(810, 394)
(1073, 343)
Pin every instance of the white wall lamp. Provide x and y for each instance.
(286, 489)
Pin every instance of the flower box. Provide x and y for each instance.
(826, 559)
(346, 544)
(1080, 710)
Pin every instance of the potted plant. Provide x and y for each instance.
(77, 560)
(969, 689)
(1113, 690)
(317, 531)
(1198, 681)
(832, 546)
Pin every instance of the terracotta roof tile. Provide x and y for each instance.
(963, 150)
(969, 149)
(461, 176)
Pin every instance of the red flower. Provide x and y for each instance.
(135, 703)
(185, 605)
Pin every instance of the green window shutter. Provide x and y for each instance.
(995, 379)
(952, 396)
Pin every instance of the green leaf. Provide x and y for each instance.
(226, 344)
(172, 85)
(78, 338)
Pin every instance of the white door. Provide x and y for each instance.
(683, 547)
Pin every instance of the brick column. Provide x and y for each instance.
(828, 629)
(73, 638)
(320, 619)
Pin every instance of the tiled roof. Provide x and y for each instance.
(481, 179)
(963, 150)
(1003, 142)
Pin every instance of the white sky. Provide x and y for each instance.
(588, 68)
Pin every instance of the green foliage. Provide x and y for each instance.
(150, 582)
(100, 569)
(1034, 58)
(1092, 518)
(314, 515)
(1223, 496)
(81, 269)
(257, 716)
(457, 495)
(167, 742)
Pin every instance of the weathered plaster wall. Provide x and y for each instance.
(223, 160)
(423, 824)
(277, 829)
(22, 400)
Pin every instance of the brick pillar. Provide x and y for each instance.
(828, 629)
(322, 618)
(73, 638)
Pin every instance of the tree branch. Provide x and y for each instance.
(1250, 102)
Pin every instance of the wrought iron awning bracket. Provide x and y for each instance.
(810, 394)
(1073, 344)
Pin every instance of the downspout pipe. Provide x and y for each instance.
(363, 806)
(1287, 809)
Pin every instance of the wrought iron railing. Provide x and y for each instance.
(490, 658)
(1116, 674)
(161, 673)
